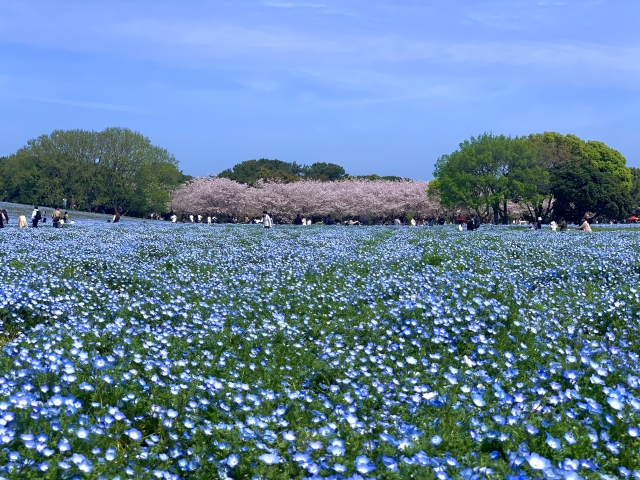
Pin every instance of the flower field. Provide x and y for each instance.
(153, 350)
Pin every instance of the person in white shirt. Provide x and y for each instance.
(585, 227)
(267, 221)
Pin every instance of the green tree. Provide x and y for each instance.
(531, 176)
(116, 167)
(326, 172)
(635, 187)
(583, 187)
(250, 171)
(477, 175)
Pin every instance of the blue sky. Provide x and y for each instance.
(376, 86)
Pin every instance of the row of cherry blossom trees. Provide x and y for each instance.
(342, 199)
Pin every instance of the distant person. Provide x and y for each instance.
(6, 215)
(3, 219)
(44, 216)
(470, 224)
(22, 221)
(563, 224)
(328, 220)
(93, 207)
(364, 220)
(476, 222)
(459, 227)
(120, 210)
(397, 222)
(116, 217)
(413, 222)
(554, 225)
(584, 226)
(56, 216)
(36, 216)
(64, 203)
(297, 220)
(267, 221)
(65, 218)
(538, 224)
(103, 209)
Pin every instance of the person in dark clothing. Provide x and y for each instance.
(3, 219)
(538, 224)
(328, 220)
(476, 222)
(93, 207)
(297, 220)
(470, 224)
(364, 220)
(103, 208)
(563, 224)
(36, 216)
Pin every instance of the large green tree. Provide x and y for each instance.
(477, 175)
(550, 174)
(635, 187)
(116, 166)
(594, 183)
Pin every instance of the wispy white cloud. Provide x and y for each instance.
(77, 103)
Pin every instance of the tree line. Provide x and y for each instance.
(251, 171)
(114, 167)
(547, 175)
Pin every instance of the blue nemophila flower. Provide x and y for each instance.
(338, 467)
(537, 462)
(110, 454)
(134, 434)
(270, 458)
(478, 400)
(436, 440)
(553, 442)
(364, 465)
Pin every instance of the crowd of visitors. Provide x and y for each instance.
(471, 222)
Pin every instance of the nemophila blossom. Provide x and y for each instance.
(270, 458)
(182, 333)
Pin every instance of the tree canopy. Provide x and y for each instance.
(551, 174)
(116, 166)
(251, 171)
